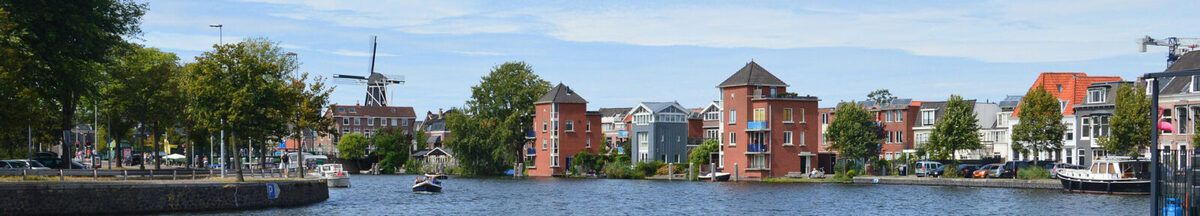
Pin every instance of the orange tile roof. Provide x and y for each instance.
(1074, 87)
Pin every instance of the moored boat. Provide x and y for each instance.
(720, 176)
(333, 175)
(1114, 175)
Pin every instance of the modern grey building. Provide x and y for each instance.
(659, 132)
(1093, 117)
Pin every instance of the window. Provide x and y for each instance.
(403, 123)
(787, 138)
(802, 116)
(1195, 84)
(570, 126)
(1096, 96)
(1166, 115)
(801, 140)
(587, 143)
(927, 117)
(787, 115)
(758, 162)
(1069, 132)
(357, 121)
(887, 116)
(544, 127)
(899, 115)
(345, 121)
(733, 116)
(824, 118)
(1182, 112)
(1101, 126)
(732, 139)
(1062, 105)
(1086, 128)
(370, 122)
(589, 127)
(899, 136)
(352, 110)
(760, 114)
(1059, 87)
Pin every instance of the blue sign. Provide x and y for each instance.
(272, 191)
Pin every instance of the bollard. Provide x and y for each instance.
(670, 172)
(95, 176)
(193, 174)
(712, 170)
(60, 176)
(151, 174)
(735, 172)
(125, 175)
(23, 175)
(691, 172)
(173, 174)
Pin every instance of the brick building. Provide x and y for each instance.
(898, 118)
(367, 120)
(563, 127)
(768, 128)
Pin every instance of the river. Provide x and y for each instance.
(391, 195)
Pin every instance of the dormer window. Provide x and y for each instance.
(1195, 84)
(1059, 87)
(1096, 95)
(1062, 106)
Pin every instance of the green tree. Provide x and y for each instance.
(140, 85)
(700, 154)
(353, 146)
(310, 100)
(881, 97)
(1040, 128)
(1130, 125)
(956, 130)
(62, 45)
(392, 145)
(854, 133)
(490, 134)
(242, 89)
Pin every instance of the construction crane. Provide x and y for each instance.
(1176, 46)
(377, 83)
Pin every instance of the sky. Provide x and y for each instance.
(619, 53)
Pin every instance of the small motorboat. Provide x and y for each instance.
(1114, 175)
(333, 174)
(720, 176)
(427, 184)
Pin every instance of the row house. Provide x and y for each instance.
(1179, 104)
(562, 128)
(826, 157)
(710, 123)
(768, 128)
(613, 125)
(1093, 116)
(367, 120)
(660, 132)
(1070, 88)
(931, 113)
(434, 151)
(1002, 145)
(897, 118)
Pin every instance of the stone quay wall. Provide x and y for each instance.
(960, 182)
(75, 198)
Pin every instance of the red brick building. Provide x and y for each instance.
(367, 120)
(769, 131)
(562, 128)
(898, 118)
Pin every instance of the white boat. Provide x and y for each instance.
(1113, 175)
(427, 184)
(333, 175)
(719, 175)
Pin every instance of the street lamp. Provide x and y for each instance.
(220, 32)
(221, 40)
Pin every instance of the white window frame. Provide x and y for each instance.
(570, 126)
(732, 138)
(733, 116)
(787, 138)
(345, 121)
(802, 116)
(1097, 95)
(1085, 131)
(801, 139)
(789, 116)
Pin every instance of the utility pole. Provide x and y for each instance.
(222, 161)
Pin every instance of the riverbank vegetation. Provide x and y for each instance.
(855, 135)
(489, 134)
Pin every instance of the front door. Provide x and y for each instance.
(804, 164)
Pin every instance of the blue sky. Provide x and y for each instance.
(617, 53)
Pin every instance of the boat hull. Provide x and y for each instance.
(719, 176)
(1105, 186)
(338, 182)
(427, 187)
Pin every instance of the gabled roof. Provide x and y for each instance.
(1189, 60)
(754, 75)
(1073, 85)
(560, 94)
(656, 107)
(614, 111)
(373, 111)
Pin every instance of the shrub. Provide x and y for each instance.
(619, 170)
(951, 171)
(679, 169)
(648, 168)
(1033, 172)
(414, 166)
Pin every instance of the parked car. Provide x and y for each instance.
(966, 170)
(25, 164)
(56, 163)
(925, 168)
(982, 172)
(4, 165)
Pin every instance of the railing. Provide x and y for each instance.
(756, 126)
(1178, 185)
(530, 151)
(163, 174)
(757, 148)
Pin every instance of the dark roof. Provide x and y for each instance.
(897, 103)
(1189, 60)
(560, 94)
(614, 111)
(752, 74)
(1011, 101)
(373, 111)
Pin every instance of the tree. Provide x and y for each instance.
(139, 86)
(854, 133)
(353, 146)
(310, 99)
(881, 97)
(489, 136)
(63, 43)
(243, 89)
(1040, 128)
(1130, 125)
(700, 154)
(392, 145)
(957, 130)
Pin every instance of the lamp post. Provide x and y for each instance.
(300, 147)
(220, 33)
(221, 40)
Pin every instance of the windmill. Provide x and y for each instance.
(377, 83)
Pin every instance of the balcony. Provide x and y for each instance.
(622, 134)
(757, 148)
(530, 151)
(757, 126)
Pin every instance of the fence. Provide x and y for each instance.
(1178, 182)
(166, 174)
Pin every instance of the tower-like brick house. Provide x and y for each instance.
(768, 130)
(562, 128)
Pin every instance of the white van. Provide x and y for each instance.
(923, 168)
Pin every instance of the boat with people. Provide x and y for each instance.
(1111, 175)
(427, 184)
(333, 174)
(720, 176)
